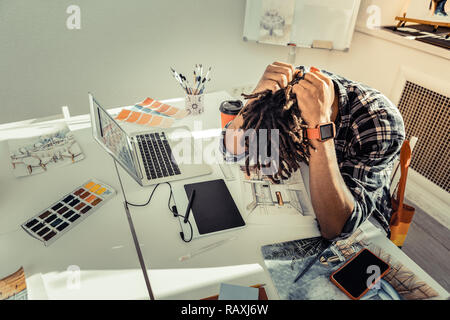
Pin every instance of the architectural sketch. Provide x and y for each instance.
(276, 21)
(54, 146)
(285, 260)
(269, 203)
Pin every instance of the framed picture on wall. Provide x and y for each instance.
(432, 10)
(302, 23)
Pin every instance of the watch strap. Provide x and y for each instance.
(313, 133)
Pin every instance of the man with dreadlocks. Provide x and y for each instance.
(348, 133)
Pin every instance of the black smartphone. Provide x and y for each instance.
(359, 274)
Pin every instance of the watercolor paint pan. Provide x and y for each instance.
(56, 220)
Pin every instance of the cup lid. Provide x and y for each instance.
(231, 107)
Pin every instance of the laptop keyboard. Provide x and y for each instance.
(157, 156)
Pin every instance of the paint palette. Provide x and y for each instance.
(63, 215)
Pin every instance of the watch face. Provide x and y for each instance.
(326, 131)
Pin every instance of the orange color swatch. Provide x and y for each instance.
(163, 108)
(171, 111)
(134, 116)
(144, 119)
(146, 102)
(155, 105)
(181, 114)
(91, 198)
(123, 114)
(155, 121)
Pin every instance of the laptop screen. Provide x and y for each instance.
(112, 137)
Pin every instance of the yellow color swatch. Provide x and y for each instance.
(89, 185)
(95, 188)
(101, 190)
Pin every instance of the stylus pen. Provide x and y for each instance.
(188, 209)
(311, 263)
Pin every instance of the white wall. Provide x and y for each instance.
(375, 61)
(122, 52)
(125, 48)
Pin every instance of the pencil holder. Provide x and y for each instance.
(194, 103)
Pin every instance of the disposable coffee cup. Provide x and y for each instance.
(229, 109)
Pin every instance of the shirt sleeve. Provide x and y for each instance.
(377, 139)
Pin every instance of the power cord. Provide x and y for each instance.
(172, 209)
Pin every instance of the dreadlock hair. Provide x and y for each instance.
(277, 110)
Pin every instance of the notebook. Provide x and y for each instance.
(213, 207)
(234, 292)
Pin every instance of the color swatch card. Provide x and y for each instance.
(152, 113)
(63, 215)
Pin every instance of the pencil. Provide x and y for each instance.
(311, 263)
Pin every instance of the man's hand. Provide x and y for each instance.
(315, 97)
(276, 76)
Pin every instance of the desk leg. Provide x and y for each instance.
(135, 239)
(138, 251)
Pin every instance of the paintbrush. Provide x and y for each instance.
(203, 87)
(195, 77)
(199, 84)
(204, 79)
(178, 79)
(207, 73)
(187, 84)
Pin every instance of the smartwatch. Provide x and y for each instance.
(322, 132)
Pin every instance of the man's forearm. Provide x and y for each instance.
(332, 201)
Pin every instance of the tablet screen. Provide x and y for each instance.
(213, 207)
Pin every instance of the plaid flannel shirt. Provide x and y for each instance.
(369, 135)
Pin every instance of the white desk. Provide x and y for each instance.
(102, 245)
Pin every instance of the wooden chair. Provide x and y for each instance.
(403, 213)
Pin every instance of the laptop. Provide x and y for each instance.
(146, 156)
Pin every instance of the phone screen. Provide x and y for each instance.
(354, 276)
